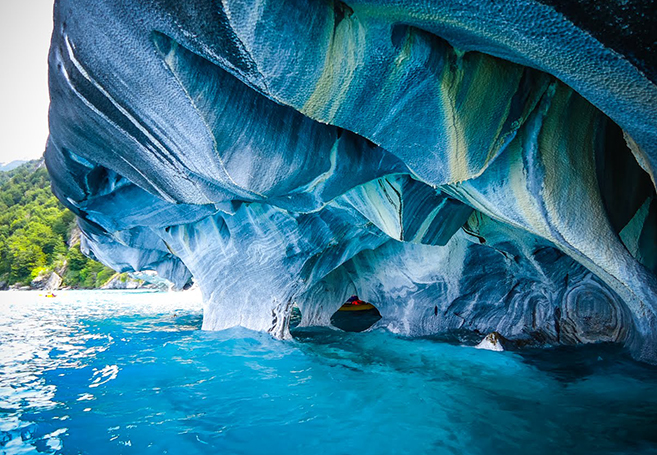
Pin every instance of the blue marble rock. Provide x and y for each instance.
(482, 165)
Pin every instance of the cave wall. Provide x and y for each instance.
(463, 165)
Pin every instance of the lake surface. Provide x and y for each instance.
(131, 373)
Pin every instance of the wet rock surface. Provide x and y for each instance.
(477, 166)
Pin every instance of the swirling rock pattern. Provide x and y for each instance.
(476, 165)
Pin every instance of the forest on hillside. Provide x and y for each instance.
(36, 233)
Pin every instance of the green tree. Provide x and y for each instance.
(24, 257)
(35, 230)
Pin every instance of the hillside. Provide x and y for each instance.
(36, 234)
(11, 165)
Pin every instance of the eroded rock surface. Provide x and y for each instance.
(473, 165)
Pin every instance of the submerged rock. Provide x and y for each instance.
(471, 165)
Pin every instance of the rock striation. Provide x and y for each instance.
(477, 165)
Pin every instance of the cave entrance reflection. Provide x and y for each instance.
(355, 315)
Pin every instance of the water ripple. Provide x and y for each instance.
(122, 373)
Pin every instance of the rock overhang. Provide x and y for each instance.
(453, 162)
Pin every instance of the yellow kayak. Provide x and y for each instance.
(356, 307)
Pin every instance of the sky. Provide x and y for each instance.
(25, 29)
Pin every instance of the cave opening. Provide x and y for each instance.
(624, 184)
(628, 194)
(355, 315)
(295, 316)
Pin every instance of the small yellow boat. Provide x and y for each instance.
(50, 295)
(355, 304)
(352, 307)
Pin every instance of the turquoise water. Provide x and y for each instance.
(130, 373)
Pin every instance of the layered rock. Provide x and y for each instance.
(462, 165)
(47, 281)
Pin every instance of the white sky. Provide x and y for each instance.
(25, 29)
